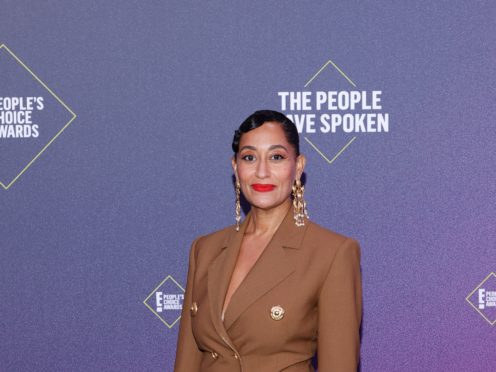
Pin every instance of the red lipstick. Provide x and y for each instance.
(263, 187)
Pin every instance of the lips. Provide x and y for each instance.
(263, 187)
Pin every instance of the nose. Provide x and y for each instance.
(262, 169)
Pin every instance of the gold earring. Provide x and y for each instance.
(238, 205)
(299, 204)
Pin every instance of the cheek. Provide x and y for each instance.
(243, 173)
(282, 174)
(286, 175)
(244, 177)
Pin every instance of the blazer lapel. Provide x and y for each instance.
(272, 267)
(220, 271)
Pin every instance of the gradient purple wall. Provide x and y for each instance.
(110, 208)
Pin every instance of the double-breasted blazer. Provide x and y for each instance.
(310, 273)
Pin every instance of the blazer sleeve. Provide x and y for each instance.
(188, 356)
(340, 312)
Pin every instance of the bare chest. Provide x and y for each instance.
(250, 251)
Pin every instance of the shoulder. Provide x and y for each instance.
(320, 235)
(211, 243)
(324, 242)
(218, 237)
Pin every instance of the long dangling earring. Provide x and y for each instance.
(299, 204)
(238, 205)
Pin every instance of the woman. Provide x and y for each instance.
(266, 294)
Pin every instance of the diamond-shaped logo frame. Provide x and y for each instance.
(74, 116)
(491, 322)
(330, 161)
(145, 302)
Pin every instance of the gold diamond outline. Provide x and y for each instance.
(475, 307)
(335, 156)
(330, 62)
(74, 116)
(151, 294)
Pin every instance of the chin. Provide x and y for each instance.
(263, 207)
(265, 204)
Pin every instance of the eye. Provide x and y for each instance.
(248, 157)
(278, 157)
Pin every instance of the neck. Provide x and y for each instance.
(266, 221)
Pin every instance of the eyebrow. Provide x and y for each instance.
(270, 148)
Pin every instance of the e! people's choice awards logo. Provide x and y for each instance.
(483, 298)
(166, 301)
(32, 116)
(344, 110)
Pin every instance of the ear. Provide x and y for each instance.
(234, 167)
(301, 160)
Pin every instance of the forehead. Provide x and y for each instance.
(268, 134)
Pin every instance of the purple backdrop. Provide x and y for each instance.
(99, 210)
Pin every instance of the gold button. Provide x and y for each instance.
(193, 309)
(277, 312)
(214, 355)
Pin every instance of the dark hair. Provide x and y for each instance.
(258, 118)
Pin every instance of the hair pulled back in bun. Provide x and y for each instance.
(258, 118)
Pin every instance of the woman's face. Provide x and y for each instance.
(266, 166)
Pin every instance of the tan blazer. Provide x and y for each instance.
(312, 273)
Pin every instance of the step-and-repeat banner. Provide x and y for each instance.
(116, 120)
